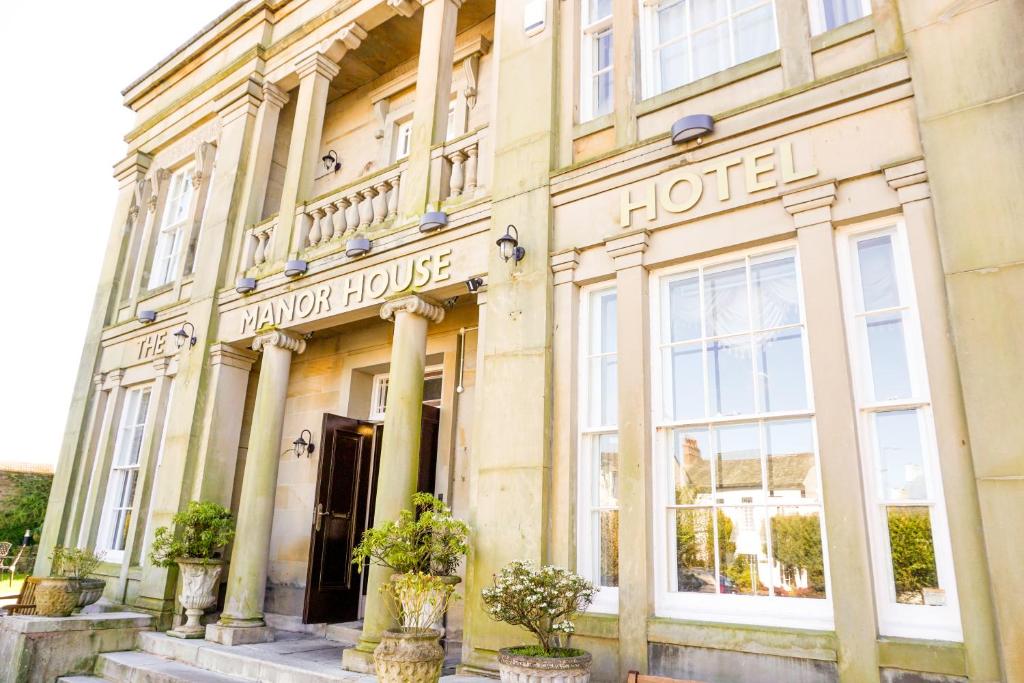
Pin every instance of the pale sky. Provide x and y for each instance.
(61, 130)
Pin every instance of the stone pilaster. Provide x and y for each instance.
(625, 70)
(562, 544)
(242, 619)
(400, 448)
(794, 24)
(835, 413)
(72, 511)
(101, 461)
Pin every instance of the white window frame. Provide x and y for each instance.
(816, 9)
(171, 236)
(403, 139)
(777, 611)
(590, 31)
(588, 541)
(130, 424)
(379, 392)
(937, 622)
(651, 44)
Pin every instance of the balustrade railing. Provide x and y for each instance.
(463, 157)
(357, 208)
(258, 243)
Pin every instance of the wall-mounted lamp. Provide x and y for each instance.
(146, 317)
(181, 336)
(304, 446)
(692, 127)
(295, 268)
(508, 245)
(357, 246)
(433, 220)
(244, 285)
(474, 284)
(331, 162)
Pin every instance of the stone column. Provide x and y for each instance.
(101, 462)
(433, 94)
(257, 174)
(242, 622)
(625, 70)
(795, 42)
(400, 449)
(158, 182)
(835, 413)
(565, 342)
(72, 512)
(977, 614)
(315, 75)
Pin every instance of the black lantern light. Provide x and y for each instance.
(331, 162)
(508, 245)
(181, 336)
(304, 446)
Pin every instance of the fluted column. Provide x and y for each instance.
(242, 619)
(399, 456)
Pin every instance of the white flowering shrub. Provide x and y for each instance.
(543, 600)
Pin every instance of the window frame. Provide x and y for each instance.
(606, 600)
(935, 622)
(169, 247)
(760, 610)
(379, 386)
(590, 33)
(816, 11)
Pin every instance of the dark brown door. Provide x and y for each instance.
(339, 519)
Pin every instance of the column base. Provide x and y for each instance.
(239, 635)
(360, 661)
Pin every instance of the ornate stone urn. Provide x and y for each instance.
(92, 590)
(522, 669)
(57, 596)
(409, 656)
(199, 579)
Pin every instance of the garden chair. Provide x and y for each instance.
(26, 599)
(637, 677)
(5, 549)
(11, 565)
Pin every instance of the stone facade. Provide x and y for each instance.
(827, 277)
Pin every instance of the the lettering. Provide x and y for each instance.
(152, 345)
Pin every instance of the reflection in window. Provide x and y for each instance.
(596, 59)
(119, 502)
(829, 14)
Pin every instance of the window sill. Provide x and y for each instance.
(842, 34)
(156, 291)
(783, 642)
(593, 126)
(592, 625)
(922, 655)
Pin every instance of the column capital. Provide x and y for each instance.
(627, 250)
(811, 205)
(563, 265)
(316, 63)
(280, 339)
(157, 183)
(348, 38)
(113, 378)
(456, 3)
(415, 304)
(232, 356)
(205, 153)
(132, 168)
(238, 99)
(406, 8)
(909, 179)
(273, 95)
(161, 365)
(97, 381)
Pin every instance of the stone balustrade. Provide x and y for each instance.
(357, 208)
(258, 243)
(463, 157)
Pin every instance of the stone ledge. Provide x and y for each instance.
(78, 622)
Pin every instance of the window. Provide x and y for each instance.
(596, 59)
(686, 40)
(737, 502)
(124, 474)
(598, 518)
(829, 14)
(432, 383)
(172, 228)
(915, 585)
(402, 140)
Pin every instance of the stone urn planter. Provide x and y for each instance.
(516, 668)
(409, 656)
(92, 590)
(199, 580)
(57, 596)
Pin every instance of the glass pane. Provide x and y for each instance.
(780, 371)
(738, 464)
(599, 9)
(684, 389)
(603, 93)
(890, 375)
(608, 470)
(432, 389)
(877, 273)
(605, 339)
(675, 64)
(743, 551)
(125, 491)
(120, 530)
(792, 467)
(695, 551)
(691, 466)
(604, 391)
(143, 408)
(684, 309)
(915, 579)
(609, 530)
(730, 377)
(775, 299)
(754, 33)
(705, 12)
(603, 53)
(839, 12)
(725, 294)
(671, 21)
(799, 567)
(900, 459)
(710, 50)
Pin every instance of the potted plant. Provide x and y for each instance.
(68, 588)
(203, 529)
(79, 563)
(412, 652)
(543, 601)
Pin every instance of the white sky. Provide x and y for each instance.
(61, 130)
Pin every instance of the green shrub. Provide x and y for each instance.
(75, 563)
(26, 508)
(430, 542)
(203, 529)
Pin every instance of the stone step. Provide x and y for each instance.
(81, 679)
(143, 667)
(348, 632)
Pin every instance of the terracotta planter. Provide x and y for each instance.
(413, 656)
(57, 596)
(199, 580)
(522, 669)
(92, 590)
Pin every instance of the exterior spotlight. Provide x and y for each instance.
(433, 220)
(244, 285)
(474, 284)
(331, 162)
(295, 268)
(304, 447)
(508, 245)
(181, 336)
(146, 317)
(692, 127)
(357, 246)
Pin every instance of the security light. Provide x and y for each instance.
(244, 285)
(146, 317)
(295, 268)
(692, 127)
(474, 284)
(433, 220)
(357, 246)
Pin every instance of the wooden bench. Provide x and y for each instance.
(26, 599)
(637, 677)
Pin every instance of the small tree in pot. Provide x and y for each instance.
(68, 587)
(411, 653)
(543, 601)
(203, 529)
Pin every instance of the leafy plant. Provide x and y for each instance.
(74, 563)
(418, 600)
(796, 544)
(203, 529)
(913, 555)
(542, 600)
(25, 507)
(428, 541)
